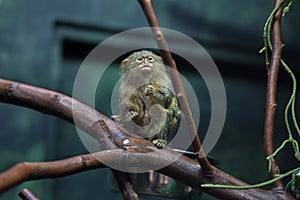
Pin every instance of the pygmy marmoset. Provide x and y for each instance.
(148, 105)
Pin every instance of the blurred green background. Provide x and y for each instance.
(43, 43)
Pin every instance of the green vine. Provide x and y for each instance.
(243, 187)
(267, 33)
(290, 106)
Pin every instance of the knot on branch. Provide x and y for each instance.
(105, 128)
(274, 106)
(84, 161)
(159, 35)
(10, 90)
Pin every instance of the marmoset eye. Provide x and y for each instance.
(139, 59)
(150, 59)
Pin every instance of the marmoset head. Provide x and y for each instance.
(143, 60)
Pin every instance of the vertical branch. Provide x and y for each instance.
(271, 96)
(122, 178)
(125, 185)
(168, 60)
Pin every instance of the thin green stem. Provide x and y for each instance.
(270, 22)
(293, 96)
(287, 8)
(267, 33)
(278, 149)
(281, 176)
(291, 104)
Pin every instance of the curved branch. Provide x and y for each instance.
(178, 86)
(27, 171)
(96, 124)
(271, 96)
(64, 107)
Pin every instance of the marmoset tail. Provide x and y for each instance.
(148, 105)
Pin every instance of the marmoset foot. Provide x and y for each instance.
(159, 143)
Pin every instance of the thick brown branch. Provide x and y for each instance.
(271, 96)
(62, 106)
(183, 169)
(189, 171)
(184, 105)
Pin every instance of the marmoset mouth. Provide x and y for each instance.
(146, 67)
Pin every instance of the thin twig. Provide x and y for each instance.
(271, 96)
(26, 194)
(184, 105)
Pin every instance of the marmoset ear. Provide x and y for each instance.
(160, 59)
(123, 65)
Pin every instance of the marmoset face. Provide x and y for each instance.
(143, 60)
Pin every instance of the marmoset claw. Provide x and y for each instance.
(116, 118)
(130, 115)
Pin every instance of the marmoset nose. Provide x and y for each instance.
(146, 62)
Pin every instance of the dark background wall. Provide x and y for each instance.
(44, 42)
